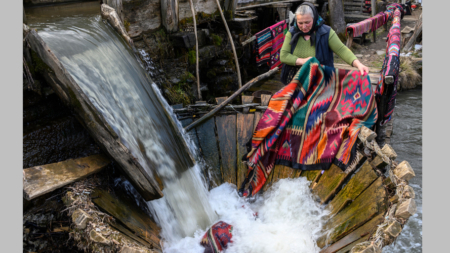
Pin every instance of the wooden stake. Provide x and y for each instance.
(228, 100)
(197, 74)
(231, 42)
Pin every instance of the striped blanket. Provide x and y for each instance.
(359, 28)
(263, 46)
(217, 237)
(378, 21)
(278, 31)
(311, 123)
(391, 66)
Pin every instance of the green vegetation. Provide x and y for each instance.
(192, 56)
(127, 25)
(217, 40)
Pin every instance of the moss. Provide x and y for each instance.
(216, 39)
(192, 56)
(127, 25)
(38, 66)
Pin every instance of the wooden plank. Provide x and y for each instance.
(371, 202)
(192, 133)
(246, 100)
(40, 180)
(226, 132)
(355, 186)
(329, 181)
(220, 100)
(362, 232)
(130, 215)
(311, 175)
(265, 99)
(349, 247)
(244, 134)
(209, 149)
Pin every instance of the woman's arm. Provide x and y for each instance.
(345, 53)
(285, 53)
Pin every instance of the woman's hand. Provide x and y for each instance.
(361, 67)
(301, 61)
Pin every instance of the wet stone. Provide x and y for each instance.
(393, 229)
(406, 209)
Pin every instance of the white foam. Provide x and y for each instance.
(288, 220)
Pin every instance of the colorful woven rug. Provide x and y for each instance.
(311, 123)
(217, 237)
(278, 31)
(263, 46)
(391, 66)
(359, 28)
(378, 21)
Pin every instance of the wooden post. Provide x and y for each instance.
(242, 89)
(196, 50)
(169, 15)
(349, 39)
(374, 7)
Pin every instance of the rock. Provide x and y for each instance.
(389, 151)
(365, 247)
(358, 55)
(381, 52)
(406, 209)
(408, 192)
(99, 238)
(404, 171)
(384, 38)
(367, 55)
(174, 80)
(393, 229)
(80, 218)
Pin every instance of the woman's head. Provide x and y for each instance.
(305, 18)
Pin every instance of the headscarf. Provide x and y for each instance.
(317, 23)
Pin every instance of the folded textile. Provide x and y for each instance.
(263, 46)
(311, 123)
(278, 31)
(217, 237)
(361, 27)
(378, 21)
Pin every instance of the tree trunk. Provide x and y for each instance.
(169, 15)
(417, 32)
(337, 16)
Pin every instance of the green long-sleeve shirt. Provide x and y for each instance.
(305, 50)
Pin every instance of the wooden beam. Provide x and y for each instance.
(242, 89)
(226, 132)
(40, 180)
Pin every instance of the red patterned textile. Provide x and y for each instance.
(278, 31)
(217, 237)
(311, 123)
(359, 28)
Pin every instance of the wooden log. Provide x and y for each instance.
(404, 171)
(355, 186)
(244, 134)
(331, 180)
(311, 175)
(209, 148)
(367, 205)
(220, 100)
(245, 42)
(130, 215)
(349, 247)
(365, 134)
(110, 14)
(169, 15)
(408, 192)
(361, 232)
(40, 180)
(393, 229)
(389, 152)
(417, 32)
(365, 247)
(242, 89)
(226, 132)
(379, 162)
(406, 209)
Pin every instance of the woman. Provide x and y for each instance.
(310, 37)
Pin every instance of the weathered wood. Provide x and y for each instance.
(220, 100)
(356, 235)
(372, 70)
(246, 100)
(197, 70)
(311, 175)
(71, 94)
(349, 39)
(379, 162)
(417, 32)
(39, 180)
(169, 15)
(209, 148)
(367, 205)
(244, 133)
(337, 19)
(265, 99)
(110, 14)
(332, 179)
(226, 132)
(245, 42)
(404, 171)
(355, 186)
(365, 247)
(349, 247)
(365, 134)
(393, 229)
(406, 209)
(408, 192)
(389, 152)
(242, 89)
(130, 215)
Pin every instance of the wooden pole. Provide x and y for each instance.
(228, 100)
(374, 7)
(232, 44)
(197, 74)
(349, 39)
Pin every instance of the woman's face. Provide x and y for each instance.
(304, 22)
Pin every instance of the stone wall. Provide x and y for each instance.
(204, 6)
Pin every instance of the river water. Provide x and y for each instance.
(407, 143)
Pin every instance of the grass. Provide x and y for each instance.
(408, 74)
